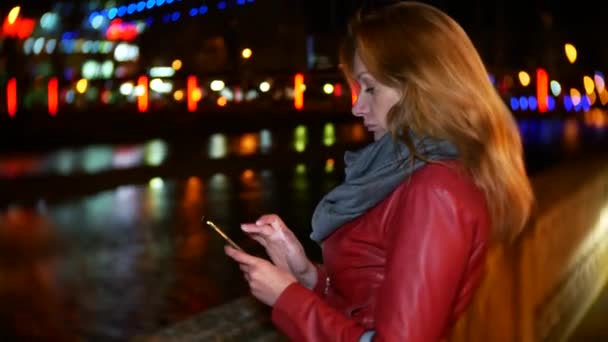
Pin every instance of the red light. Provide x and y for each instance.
(142, 100)
(21, 28)
(121, 31)
(11, 97)
(338, 89)
(298, 91)
(192, 89)
(542, 89)
(52, 95)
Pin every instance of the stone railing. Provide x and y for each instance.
(535, 290)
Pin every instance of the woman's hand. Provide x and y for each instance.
(266, 281)
(283, 248)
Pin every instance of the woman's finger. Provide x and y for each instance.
(260, 239)
(240, 257)
(272, 220)
(265, 229)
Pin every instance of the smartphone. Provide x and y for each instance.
(219, 231)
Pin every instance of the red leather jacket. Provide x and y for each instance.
(405, 269)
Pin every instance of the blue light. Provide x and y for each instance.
(166, 18)
(150, 4)
(586, 103)
(514, 103)
(67, 35)
(567, 103)
(532, 103)
(149, 21)
(221, 5)
(132, 8)
(175, 16)
(169, 1)
(112, 13)
(523, 103)
(203, 10)
(140, 6)
(193, 12)
(550, 103)
(92, 16)
(249, 0)
(122, 11)
(240, 2)
(160, 2)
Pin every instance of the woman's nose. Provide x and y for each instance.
(359, 108)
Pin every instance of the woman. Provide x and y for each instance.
(404, 237)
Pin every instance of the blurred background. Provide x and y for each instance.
(123, 122)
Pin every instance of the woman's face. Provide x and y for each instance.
(373, 101)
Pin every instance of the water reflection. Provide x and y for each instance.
(135, 258)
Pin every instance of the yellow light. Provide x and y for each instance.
(570, 52)
(178, 95)
(81, 86)
(222, 101)
(246, 53)
(156, 183)
(197, 94)
(589, 86)
(524, 78)
(328, 88)
(13, 15)
(177, 64)
(575, 95)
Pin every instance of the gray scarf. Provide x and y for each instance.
(371, 174)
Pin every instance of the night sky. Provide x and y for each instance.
(522, 27)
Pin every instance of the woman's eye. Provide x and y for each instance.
(369, 90)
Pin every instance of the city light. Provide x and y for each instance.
(156, 183)
(328, 88)
(589, 85)
(191, 87)
(246, 53)
(524, 78)
(217, 85)
(222, 101)
(142, 99)
(52, 96)
(556, 88)
(178, 95)
(13, 15)
(264, 87)
(126, 88)
(11, 97)
(542, 89)
(176, 65)
(599, 82)
(575, 95)
(162, 71)
(298, 91)
(570, 52)
(82, 85)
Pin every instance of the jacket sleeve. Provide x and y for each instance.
(427, 253)
(321, 284)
